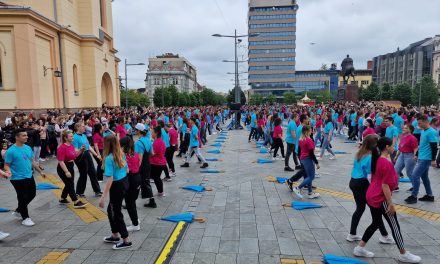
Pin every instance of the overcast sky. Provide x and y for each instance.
(363, 29)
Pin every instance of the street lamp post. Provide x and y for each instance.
(237, 41)
(126, 86)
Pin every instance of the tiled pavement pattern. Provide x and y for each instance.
(246, 222)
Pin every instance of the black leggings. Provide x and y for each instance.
(134, 186)
(169, 155)
(85, 166)
(69, 183)
(99, 170)
(26, 191)
(291, 150)
(156, 171)
(278, 143)
(359, 188)
(145, 172)
(376, 214)
(114, 209)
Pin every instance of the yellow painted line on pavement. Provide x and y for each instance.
(88, 215)
(170, 246)
(54, 257)
(292, 261)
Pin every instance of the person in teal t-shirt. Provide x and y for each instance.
(194, 146)
(291, 138)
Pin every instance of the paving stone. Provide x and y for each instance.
(183, 258)
(225, 259)
(230, 233)
(209, 245)
(213, 230)
(289, 246)
(248, 245)
(269, 247)
(247, 258)
(248, 230)
(204, 258)
(228, 246)
(266, 232)
(189, 246)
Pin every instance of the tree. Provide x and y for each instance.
(134, 98)
(184, 99)
(324, 67)
(386, 92)
(289, 98)
(256, 99)
(270, 99)
(323, 96)
(231, 97)
(403, 93)
(370, 93)
(425, 92)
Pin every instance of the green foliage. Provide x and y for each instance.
(403, 93)
(370, 93)
(270, 99)
(256, 99)
(289, 98)
(425, 92)
(231, 97)
(170, 96)
(134, 98)
(386, 92)
(323, 96)
(324, 67)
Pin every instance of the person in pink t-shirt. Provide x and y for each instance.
(277, 138)
(157, 159)
(169, 154)
(407, 149)
(369, 128)
(379, 198)
(120, 129)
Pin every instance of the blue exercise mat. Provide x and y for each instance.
(216, 145)
(187, 217)
(212, 159)
(341, 152)
(333, 259)
(304, 205)
(404, 180)
(46, 186)
(262, 161)
(194, 188)
(214, 151)
(211, 171)
(263, 150)
(220, 141)
(4, 210)
(350, 142)
(281, 179)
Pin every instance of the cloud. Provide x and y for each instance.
(363, 29)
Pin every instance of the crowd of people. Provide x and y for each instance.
(389, 139)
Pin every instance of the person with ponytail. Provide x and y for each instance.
(379, 198)
(157, 159)
(359, 182)
(115, 169)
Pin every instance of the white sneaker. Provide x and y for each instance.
(318, 158)
(386, 239)
(332, 157)
(132, 228)
(16, 215)
(409, 258)
(42, 160)
(362, 252)
(326, 154)
(352, 238)
(313, 195)
(3, 235)
(173, 174)
(28, 222)
(297, 192)
(273, 158)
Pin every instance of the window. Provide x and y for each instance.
(271, 76)
(272, 25)
(276, 34)
(156, 81)
(75, 81)
(271, 59)
(272, 68)
(365, 82)
(268, 17)
(175, 81)
(270, 51)
(271, 42)
(275, 8)
(1, 75)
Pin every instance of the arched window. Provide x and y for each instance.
(75, 81)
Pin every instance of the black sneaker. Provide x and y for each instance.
(297, 167)
(81, 195)
(185, 165)
(122, 245)
(288, 168)
(79, 205)
(411, 200)
(289, 185)
(98, 194)
(427, 198)
(205, 165)
(151, 204)
(409, 190)
(112, 239)
(64, 201)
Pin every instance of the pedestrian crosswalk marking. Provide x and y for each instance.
(88, 215)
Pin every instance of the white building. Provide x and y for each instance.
(436, 62)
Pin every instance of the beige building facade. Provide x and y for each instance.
(436, 62)
(57, 54)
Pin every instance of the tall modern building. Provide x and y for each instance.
(407, 65)
(272, 52)
(436, 62)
